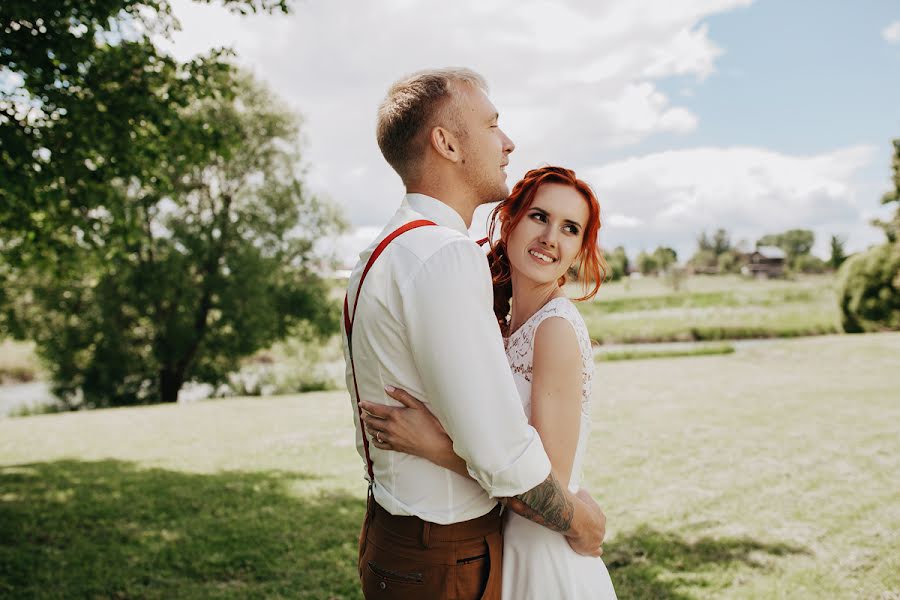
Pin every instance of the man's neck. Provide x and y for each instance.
(453, 198)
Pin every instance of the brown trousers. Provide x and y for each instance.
(405, 558)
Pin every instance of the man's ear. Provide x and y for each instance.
(445, 144)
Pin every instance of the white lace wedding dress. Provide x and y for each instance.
(538, 564)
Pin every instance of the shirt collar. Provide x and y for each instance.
(435, 210)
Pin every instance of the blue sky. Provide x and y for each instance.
(798, 77)
(684, 116)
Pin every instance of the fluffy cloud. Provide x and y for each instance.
(571, 79)
(891, 33)
(670, 197)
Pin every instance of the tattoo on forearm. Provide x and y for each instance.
(545, 504)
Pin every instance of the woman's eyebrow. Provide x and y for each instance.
(567, 221)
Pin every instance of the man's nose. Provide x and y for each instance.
(508, 145)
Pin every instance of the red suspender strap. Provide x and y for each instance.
(348, 325)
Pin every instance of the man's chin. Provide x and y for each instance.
(500, 194)
(497, 193)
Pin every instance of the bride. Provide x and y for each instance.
(548, 224)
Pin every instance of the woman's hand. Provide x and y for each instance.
(410, 428)
(594, 548)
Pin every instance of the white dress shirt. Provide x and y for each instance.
(425, 324)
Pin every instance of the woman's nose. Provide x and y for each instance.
(548, 236)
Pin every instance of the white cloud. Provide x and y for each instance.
(571, 79)
(675, 195)
(891, 33)
(617, 220)
(346, 248)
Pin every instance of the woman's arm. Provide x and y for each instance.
(411, 429)
(556, 385)
(555, 408)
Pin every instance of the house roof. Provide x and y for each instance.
(771, 252)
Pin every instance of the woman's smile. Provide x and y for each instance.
(542, 257)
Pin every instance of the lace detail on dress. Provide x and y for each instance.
(520, 345)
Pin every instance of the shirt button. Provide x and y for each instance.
(382, 585)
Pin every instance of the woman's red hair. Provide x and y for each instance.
(592, 267)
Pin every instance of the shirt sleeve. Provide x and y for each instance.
(458, 351)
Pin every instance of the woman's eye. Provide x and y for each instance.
(538, 216)
(571, 229)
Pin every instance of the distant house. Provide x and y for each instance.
(765, 261)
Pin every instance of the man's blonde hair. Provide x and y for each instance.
(410, 109)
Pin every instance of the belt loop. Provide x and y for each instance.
(426, 534)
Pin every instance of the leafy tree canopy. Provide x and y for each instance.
(795, 243)
(153, 223)
(85, 96)
(892, 227)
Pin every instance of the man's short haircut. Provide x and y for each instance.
(411, 107)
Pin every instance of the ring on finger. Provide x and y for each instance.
(378, 437)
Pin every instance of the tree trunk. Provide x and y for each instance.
(170, 381)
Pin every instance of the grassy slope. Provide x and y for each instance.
(768, 473)
(711, 308)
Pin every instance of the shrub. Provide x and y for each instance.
(807, 263)
(870, 290)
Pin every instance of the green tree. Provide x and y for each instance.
(86, 100)
(869, 284)
(870, 281)
(838, 252)
(646, 263)
(665, 258)
(794, 242)
(730, 262)
(618, 263)
(189, 282)
(704, 259)
(892, 228)
(709, 251)
(704, 243)
(808, 263)
(153, 224)
(721, 242)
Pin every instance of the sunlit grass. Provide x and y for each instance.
(711, 308)
(18, 362)
(766, 473)
(643, 352)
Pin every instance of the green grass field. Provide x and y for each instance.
(770, 472)
(711, 308)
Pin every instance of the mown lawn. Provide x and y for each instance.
(766, 473)
(711, 308)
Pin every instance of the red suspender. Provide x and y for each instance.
(348, 325)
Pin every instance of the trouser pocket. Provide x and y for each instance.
(397, 582)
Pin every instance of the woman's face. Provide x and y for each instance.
(548, 238)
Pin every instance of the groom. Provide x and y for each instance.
(423, 322)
